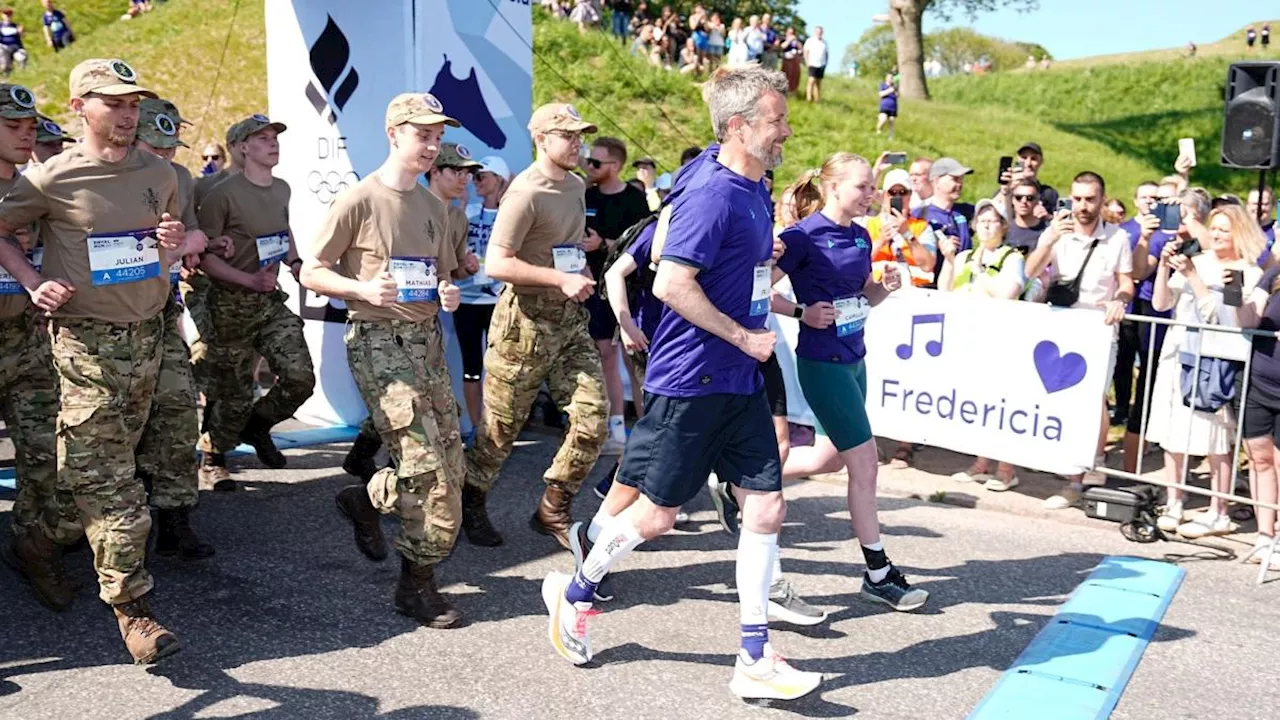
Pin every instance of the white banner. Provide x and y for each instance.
(1012, 381)
(333, 66)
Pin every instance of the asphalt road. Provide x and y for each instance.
(290, 621)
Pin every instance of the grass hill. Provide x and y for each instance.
(1121, 117)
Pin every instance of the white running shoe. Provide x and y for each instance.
(770, 678)
(567, 623)
(1170, 518)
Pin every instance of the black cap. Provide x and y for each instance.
(1033, 147)
(645, 161)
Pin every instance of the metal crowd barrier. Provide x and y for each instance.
(1182, 484)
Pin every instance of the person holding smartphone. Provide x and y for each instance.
(898, 238)
(1195, 286)
(1091, 265)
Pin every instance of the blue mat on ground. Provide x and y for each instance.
(1078, 665)
(284, 441)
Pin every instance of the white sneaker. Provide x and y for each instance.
(1207, 527)
(1068, 497)
(1093, 477)
(770, 678)
(567, 622)
(613, 446)
(995, 484)
(1170, 518)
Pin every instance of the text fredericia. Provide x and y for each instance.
(996, 416)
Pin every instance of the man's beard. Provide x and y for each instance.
(764, 155)
(113, 135)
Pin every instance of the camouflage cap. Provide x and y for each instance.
(559, 116)
(49, 131)
(168, 108)
(16, 102)
(105, 77)
(419, 109)
(456, 156)
(255, 123)
(156, 127)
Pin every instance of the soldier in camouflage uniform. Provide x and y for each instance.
(166, 458)
(42, 519)
(448, 179)
(248, 312)
(384, 248)
(104, 286)
(195, 284)
(539, 329)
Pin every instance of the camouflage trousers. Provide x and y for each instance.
(195, 297)
(532, 339)
(400, 370)
(107, 374)
(246, 325)
(29, 406)
(167, 452)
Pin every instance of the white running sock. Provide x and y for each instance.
(617, 427)
(617, 540)
(598, 524)
(756, 552)
(777, 566)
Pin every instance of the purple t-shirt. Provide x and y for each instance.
(826, 261)
(954, 222)
(721, 224)
(888, 103)
(1154, 247)
(1266, 351)
(647, 309)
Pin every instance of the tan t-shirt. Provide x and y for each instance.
(98, 226)
(187, 197)
(255, 218)
(459, 226)
(539, 214)
(372, 228)
(206, 183)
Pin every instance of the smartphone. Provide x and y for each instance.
(896, 158)
(897, 202)
(1170, 215)
(1233, 292)
(1006, 163)
(1064, 204)
(1187, 146)
(1191, 249)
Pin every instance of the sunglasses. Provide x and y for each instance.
(1026, 198)
(900, 193)
(212, 157)
(597, 164)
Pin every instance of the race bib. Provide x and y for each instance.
(760, 284)
(272, 249)
(851, 315)
(10, 286)
(175, 271)
(569, 258)
(416, 279)
(124, 258)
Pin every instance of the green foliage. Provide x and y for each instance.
(875, 52)
(783, 11)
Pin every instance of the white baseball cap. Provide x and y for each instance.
(496, 165)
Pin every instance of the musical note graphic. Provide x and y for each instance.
(933, 347)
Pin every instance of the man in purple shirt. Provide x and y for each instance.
(1147, 241)
(947, 217)
(704, 395)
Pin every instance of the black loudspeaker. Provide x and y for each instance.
(1251, 126)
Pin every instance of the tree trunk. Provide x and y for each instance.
(907, 19)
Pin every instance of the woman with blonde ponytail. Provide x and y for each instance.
(828, 259)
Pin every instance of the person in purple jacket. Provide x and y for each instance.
(828, 259)
(888, 105)
(704, 395)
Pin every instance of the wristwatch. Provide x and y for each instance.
(798, 311)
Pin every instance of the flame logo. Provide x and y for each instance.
(330, 59)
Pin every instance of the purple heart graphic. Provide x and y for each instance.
(1058, 371)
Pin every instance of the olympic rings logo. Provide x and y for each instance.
(326, 186)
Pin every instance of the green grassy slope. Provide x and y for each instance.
(1122, 120)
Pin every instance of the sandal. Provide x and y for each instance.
(902, 458)
(1242, 514)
